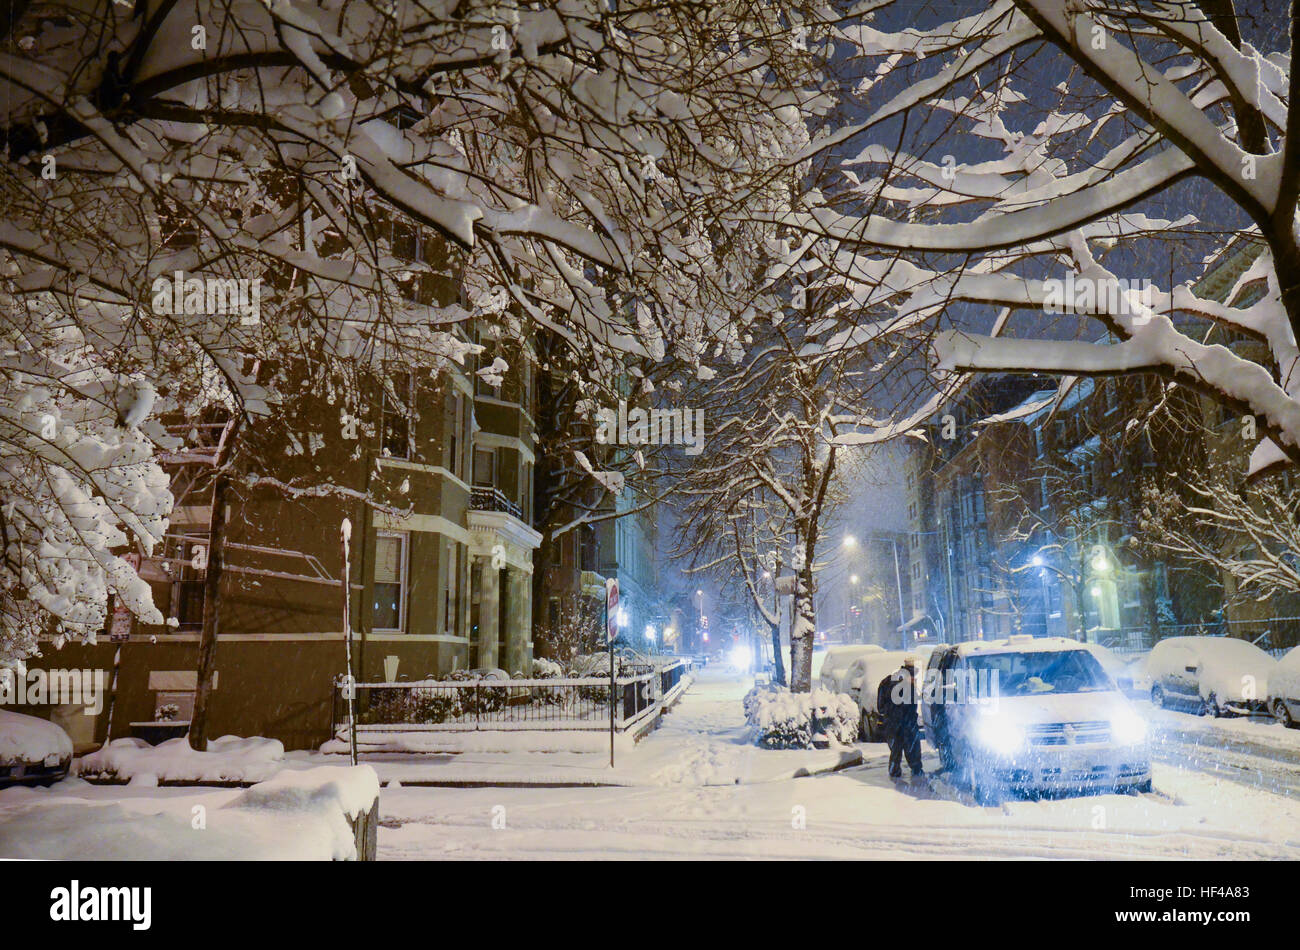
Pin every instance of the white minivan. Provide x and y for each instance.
(1032, 714)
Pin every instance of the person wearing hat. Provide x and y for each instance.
(897, 701)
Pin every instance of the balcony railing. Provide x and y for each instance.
(488, 498)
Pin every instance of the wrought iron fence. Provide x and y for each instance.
(559, 703)
(1274, 635)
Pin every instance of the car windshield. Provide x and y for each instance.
(1038, 672)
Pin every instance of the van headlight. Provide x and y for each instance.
(999, 735)
(1128, 728)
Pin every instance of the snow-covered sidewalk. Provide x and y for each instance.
(701, 741)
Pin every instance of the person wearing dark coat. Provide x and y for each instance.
(896, 701)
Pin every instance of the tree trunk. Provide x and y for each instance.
(777, 658)
(802, 633)
(212, 591)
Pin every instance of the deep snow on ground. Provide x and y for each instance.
(855, 813)
(294, 816)
(227, 759)
(695, 788)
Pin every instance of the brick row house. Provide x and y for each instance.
(1027, 525)
(441, 564)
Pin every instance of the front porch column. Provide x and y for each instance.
(519, 606)
(489, 610)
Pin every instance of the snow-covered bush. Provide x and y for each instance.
(759, 691)
(410, 706)
(780, 719)
(485, 699)
(544, 669)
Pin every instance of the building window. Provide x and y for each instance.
(485, 467)
(189, 557)
(450, 581)
(390, 582)
(491, 350)
(526, 494)
(454, 443)
(396, 427)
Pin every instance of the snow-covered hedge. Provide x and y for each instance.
(780, 719)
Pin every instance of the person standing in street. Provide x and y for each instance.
(897, 701)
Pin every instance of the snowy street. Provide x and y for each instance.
(697, 787)
(1195, 812)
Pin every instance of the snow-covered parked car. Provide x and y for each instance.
(838, 661)
(1032, 714)
(1129, 673)
(1284, 690)
(867, 671)
(1214, 676)
(32, 751)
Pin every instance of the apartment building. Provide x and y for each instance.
(440, 572)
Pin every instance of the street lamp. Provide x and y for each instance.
(1100, 562)
(850, 541)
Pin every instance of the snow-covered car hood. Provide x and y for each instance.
(1060, 707)
(1238, 682)
(28, 739)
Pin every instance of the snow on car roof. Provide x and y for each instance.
(1217, 647)
(887, 661)
(835, 655)
(1019, 644)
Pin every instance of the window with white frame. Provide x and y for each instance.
(390, 581)
(449, 580)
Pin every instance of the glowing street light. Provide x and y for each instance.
(853, 578)
(850, 541)
(650, 632)
(1100, 563)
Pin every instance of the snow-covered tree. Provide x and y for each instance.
(785, 421)
(1017, 159)
(1250, 533)
(78, 483)
(598, 172)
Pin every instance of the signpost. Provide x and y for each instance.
(611, 632)
(349, 687)
(120, 627)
